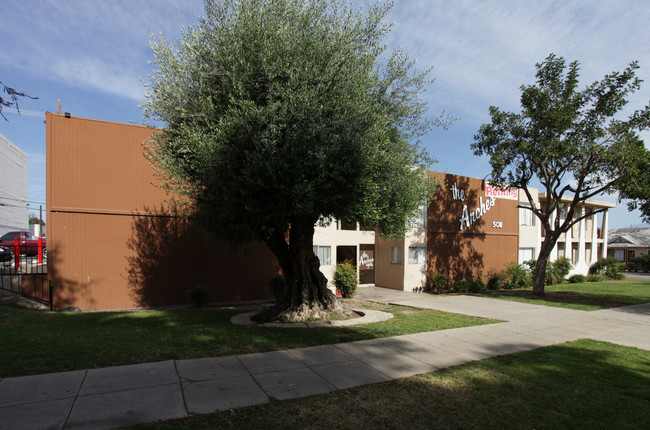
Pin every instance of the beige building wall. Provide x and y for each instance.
(340, 240)
(530, 230)
(389, 272)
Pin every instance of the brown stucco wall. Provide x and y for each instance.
(114, 242)
(490, 242)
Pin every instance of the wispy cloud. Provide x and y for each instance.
(99, 45)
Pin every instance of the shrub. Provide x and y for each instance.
(437, 282)
(515, 276)
(577, 279)
(278, 285)
(596, 278)
(563, 266)
(199, 295)
(494, 280)
(468, 286)
(345, 279)
(608, 266)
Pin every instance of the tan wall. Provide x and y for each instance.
(474, 250)
(114, 243)
(389, 275)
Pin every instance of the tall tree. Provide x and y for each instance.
(13, 99)
(573, 142)
(279, 112)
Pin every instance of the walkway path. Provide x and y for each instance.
(118, 396)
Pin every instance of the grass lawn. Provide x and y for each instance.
(42, 342)
(587, 296)
(579, 385)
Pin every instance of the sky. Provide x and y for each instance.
(94, 55)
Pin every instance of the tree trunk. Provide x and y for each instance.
(539, 275)
(306, 295)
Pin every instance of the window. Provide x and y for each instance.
(417, 254)
(619, 254)
(526, 216)
(419, 220)
(395, 255)
(323, 254)
(526, 254)
(347, 225)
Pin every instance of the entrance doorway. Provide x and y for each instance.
(367, 264)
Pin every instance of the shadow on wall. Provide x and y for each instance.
(67, 291)
(455, 252)
(171, 254)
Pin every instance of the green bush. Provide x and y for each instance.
(515, 276)
(199, 295)
(468, 286)
(563, 266)
(577, 279)
(494, 280)
(610, 267)
(596, 278)
(345, 279)
(437, 282)
(639, 264)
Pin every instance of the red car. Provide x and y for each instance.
(27, 244)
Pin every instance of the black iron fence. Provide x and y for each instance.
(25, 275)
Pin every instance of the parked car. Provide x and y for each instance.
(6, 256)
(28, 245)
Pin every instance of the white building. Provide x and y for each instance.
(14, 213)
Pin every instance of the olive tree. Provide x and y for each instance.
(278, 113)
(576, 143)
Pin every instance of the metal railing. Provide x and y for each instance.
(26, 275)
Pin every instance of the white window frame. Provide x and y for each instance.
(417, 254)
(526, 215)
(395, 255)
(619, 254)
(526, 249)
(324, 254)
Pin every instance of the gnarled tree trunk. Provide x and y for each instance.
(306, 293)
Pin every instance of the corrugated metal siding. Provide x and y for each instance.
(114, 243)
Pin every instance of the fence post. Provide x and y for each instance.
(17, 251)
(40, 250)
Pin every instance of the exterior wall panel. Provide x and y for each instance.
(489, 242)
(114, 242)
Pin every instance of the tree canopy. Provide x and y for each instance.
(576, 143)
(278, 112)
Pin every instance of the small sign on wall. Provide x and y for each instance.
(367, 260)
(499, 193)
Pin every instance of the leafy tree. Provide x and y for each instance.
(280, 112)
(13, 98)
(573, 142)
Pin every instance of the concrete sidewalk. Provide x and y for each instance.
(119, 396)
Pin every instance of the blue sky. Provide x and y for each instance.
(92, 54)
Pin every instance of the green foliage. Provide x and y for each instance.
(515, 276)
(494, 280)
(556, 271)
(596, 278)
(639, 264)
(563, 266)
(278, 110)
(468, 286)
(577, 279)
(345, 279)
(609, 267)
(574, 142)
(199, 295)
(437, 282)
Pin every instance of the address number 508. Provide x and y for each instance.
(497, 224)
